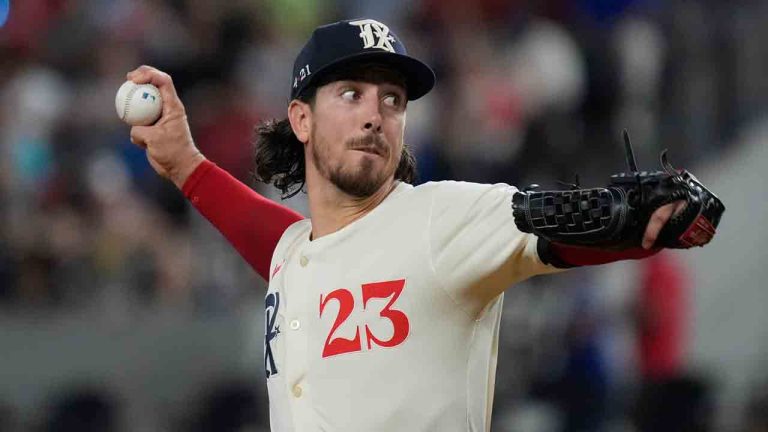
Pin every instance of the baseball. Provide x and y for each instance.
(138, 104)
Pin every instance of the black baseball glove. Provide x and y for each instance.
(616, 216)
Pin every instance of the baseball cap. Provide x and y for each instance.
(348, 41)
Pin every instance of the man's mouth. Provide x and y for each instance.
(372, 150)
(369, 144)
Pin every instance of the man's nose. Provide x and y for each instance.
(373, 116)
(373, 126)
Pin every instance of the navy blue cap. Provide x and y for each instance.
(356, 40)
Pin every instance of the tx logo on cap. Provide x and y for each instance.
(374, 34)
(357, 40)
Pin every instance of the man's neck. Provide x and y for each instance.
(332, 209)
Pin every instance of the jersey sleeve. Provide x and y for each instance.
(565, 256)
(476, 249)
(252, 223)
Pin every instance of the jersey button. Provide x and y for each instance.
(304, 261)
(297, 391)
(295, 324)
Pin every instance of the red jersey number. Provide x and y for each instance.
(398, 318)
(382, 290)
(346, 304)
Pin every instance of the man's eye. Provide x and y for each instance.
(349, 95)
(392, 100)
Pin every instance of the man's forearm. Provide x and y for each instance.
(566, 256)
(250, 222)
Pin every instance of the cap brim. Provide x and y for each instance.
(419, 78)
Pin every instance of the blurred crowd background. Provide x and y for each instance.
(122, 309)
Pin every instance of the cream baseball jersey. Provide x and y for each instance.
(391, 323)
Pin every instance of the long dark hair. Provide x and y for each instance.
(279, 155)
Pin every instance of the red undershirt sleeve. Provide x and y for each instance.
(252, 223)
(565, 256)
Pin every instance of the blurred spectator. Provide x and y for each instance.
(83, 409)
(225, 129)
(680, 403)
(8, 418)
(578, 382)
(669, 399)
(230, 406)
(756, 413)
(662, 315)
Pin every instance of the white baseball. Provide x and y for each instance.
(138, 104)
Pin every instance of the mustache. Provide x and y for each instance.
(368, 142)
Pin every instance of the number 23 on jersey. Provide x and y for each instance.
(377, 290)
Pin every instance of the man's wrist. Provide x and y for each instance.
(180, 176)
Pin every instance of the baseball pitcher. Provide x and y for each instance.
(383, 309)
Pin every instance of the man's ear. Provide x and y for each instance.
(300, 115)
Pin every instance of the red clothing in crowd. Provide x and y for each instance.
(663, 298)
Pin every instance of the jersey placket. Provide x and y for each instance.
(298, 318)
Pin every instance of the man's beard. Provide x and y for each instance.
(359, 181)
